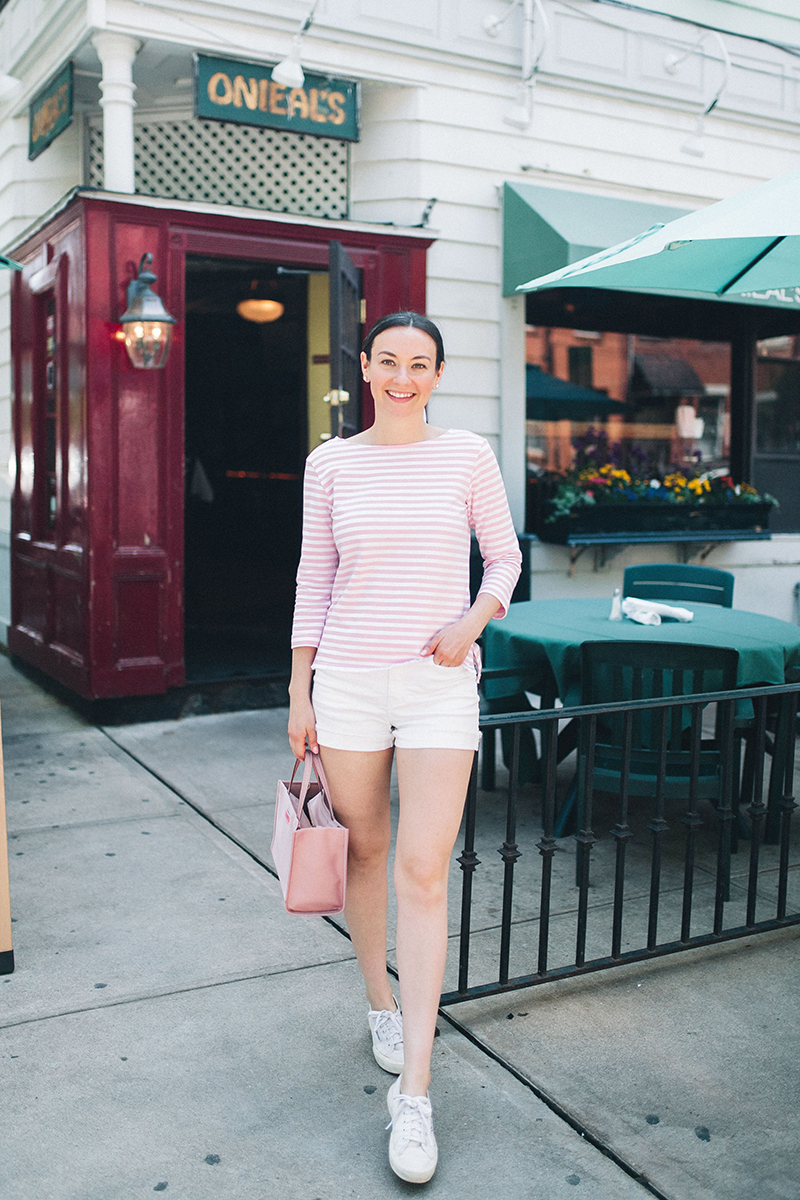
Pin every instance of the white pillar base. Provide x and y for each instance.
(117, 52)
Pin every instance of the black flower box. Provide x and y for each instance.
(658, 522)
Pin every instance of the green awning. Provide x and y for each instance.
(545, 229)
(5, 261)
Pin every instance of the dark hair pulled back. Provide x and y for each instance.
(409, 320)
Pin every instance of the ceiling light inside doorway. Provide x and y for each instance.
(260, 311)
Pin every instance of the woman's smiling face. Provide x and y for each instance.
(401, 370)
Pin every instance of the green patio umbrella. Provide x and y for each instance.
(5, 261)
(742, 250)
(549, 398)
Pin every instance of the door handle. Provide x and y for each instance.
(336, 396)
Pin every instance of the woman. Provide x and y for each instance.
(384, 622)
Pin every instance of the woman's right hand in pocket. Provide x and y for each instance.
(302, 727)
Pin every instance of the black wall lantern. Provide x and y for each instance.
(146, 324)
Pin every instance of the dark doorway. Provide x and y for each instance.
(246, 443)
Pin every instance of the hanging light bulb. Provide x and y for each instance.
(289, 71)
(520, 114)
(694, 143)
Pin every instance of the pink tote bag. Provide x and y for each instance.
(309, 846)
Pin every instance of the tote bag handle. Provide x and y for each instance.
(311, 760)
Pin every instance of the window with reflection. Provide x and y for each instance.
(659, 405)
(666, 400)
(776, 457)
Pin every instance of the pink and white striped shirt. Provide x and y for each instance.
(386, 538)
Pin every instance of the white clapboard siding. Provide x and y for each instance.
(465, 336)
(465, 412)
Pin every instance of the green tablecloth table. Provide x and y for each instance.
(543, 638)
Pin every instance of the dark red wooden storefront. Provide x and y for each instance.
(98, 504)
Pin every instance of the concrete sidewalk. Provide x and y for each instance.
(170, 1029)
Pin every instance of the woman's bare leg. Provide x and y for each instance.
(433, 788)
(359, 783)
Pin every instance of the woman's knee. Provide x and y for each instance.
(421, 879)
(367, 852)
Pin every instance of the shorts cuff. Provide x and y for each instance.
(438, 741)
(348, 741)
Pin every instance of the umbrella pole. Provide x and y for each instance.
(742, 418)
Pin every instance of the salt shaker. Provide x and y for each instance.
(616, 607)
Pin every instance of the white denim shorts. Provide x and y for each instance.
(415, 705)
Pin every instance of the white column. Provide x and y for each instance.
(116, 52)
(512, 404)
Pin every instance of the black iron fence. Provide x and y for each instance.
(706, 870)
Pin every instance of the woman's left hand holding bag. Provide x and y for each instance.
(302, 721)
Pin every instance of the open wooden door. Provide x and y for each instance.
(345, 330)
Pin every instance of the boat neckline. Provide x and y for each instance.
(393, 445)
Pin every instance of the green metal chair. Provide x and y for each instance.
(685, 583)
(679, 582)
(620, 671)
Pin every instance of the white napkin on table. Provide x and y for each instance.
(650, 612)
(642, 617)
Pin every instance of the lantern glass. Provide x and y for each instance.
(148, 342)
(146, 324)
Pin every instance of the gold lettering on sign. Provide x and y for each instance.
(247, 90)
(46, 117)
(298, 100)
(336, 103)
(214, 83)
(316, 115)
(277, 96)
(263, 95)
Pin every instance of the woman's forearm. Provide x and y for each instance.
(480, 614)
(300, 682)
(302, 722)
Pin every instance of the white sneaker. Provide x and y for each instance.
(387, 1038)
(413, 1152)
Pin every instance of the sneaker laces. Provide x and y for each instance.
(413, 1120)
(388, 1028)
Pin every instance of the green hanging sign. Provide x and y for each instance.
(50, 112)
(229, 90)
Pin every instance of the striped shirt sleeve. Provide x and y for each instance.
(318, 562)
(489, 516)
